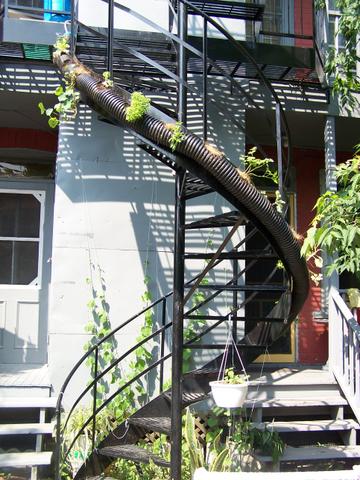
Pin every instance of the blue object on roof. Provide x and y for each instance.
(64, 5)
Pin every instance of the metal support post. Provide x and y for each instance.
(179, 247)
(279, 150)
(110, 38)
(177, 331)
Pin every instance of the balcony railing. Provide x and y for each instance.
(344, 349)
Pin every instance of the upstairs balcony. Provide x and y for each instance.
(34, 22)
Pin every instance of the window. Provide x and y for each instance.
(20, 237)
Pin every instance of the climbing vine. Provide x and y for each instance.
(341, 65)
(139, 105)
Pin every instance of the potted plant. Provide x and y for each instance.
(231, 391)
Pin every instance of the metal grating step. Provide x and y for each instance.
(228, 9)
(134, 453)
(224, 220)
(242, 288)
(188, 397)
(153, 424)
(194, 187)
(216, 318)
(243, 255)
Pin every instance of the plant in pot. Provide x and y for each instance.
(231, 390)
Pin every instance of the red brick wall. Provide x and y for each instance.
(303, 21)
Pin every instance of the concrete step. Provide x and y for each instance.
(28, 402)
(316, 453)
(25, 459)
(290, 383)
(26, 429)
(309, 426)
(300, 401)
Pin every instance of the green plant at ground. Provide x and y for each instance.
(231, 448)
(177, 135)
(139, 106)
(257, 167)
(341, 64)
(335, 228)
(107, 82)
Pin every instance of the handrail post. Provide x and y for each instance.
(6, 8)
(58, 438)
(162, 344)
(73, 24)
(110, 39)
(94, 398)
(205, 79)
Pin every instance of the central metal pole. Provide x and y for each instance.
(279, 150)
(110, 39)
(179, 248)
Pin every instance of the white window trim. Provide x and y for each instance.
(40, 196)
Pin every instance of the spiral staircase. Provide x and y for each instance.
(162, 63)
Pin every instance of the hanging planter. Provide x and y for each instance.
(230, 389)
(227, 395)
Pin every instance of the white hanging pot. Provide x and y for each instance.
(229, 395)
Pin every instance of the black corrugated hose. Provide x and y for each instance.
(244, 196)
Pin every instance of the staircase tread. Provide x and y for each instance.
(23, 459)
(334, 400)
(314, 452)
(154, 424)
(293, 376)
(189, 397)
(28, 402)
(25, 428)
(309, 425)
(134, 453)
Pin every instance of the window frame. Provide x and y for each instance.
(40, 196)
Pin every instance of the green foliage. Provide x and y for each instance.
(62, 44)
(341, 65)
(279, 202)
(139, 105)
(335, 228)
(177, 135)
(257, 167)
(234, 378)
(107, 82)
(68, 100)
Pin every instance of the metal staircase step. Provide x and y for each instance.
(228, 9)
(153, 424)
(242, 288)
(188, 397)
(309, 426)
(195, 187)
(224, 220)
(243, 255)
(25, 459)
(238, 319)
(316, 453)
(134, 453)
(30, 402)
(26, 429)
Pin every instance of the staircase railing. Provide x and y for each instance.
(344, 349)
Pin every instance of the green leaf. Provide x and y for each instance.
(53, 122)
(42, 108)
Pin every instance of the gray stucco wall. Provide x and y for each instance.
(113, 214)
